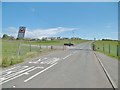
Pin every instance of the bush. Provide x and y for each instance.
(6, 62)
(20, 59)
(13, 60)
(31, 54)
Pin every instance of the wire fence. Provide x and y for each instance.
(24, 48)
(16, 52)
(108, 48)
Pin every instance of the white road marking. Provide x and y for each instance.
(10, 69)
(56, 59)
(45, 58)
(39, 73)
(42, 62)
(12, 78)
(8, 74)
(34, 69)
(13, 86)
(25, 66)
(26, 73)
(39, 60)
(35, 62)
(67, 56)
(1, 79)
(14, 75)
(109, 77)
(30, 62)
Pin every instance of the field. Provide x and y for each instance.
(15, 52)
(109, 48)
(55, 42)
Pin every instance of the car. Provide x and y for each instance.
(68, 44)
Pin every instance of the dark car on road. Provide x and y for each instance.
(68, 44)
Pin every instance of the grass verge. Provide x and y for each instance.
(108, 48)
(13, 52)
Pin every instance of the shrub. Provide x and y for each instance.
(31, 54)
(6, 62)
(13, 60)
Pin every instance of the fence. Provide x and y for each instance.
(24, 48)
(15, 52)
(107, 48)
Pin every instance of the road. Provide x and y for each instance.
(76, 67)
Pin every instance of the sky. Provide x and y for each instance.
(65, 19)
(60, 1)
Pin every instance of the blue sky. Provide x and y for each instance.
(86, 20)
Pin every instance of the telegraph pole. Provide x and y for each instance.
(73, 36)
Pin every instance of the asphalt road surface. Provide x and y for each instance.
(76, 67)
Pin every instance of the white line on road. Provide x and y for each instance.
(25, 66)
(39, 60)
(39, 72)
(33, 69)
(10, 69)
(108, 76)
(8, 73)
(14, 75)
(67, 56)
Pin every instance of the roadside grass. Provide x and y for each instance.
(107, 47)
(10, 53)
(10, 50)
(54, 42)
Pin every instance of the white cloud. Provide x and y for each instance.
(12, 31)
(38, 33)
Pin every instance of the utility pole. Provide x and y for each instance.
(73, 36)
(94, 39)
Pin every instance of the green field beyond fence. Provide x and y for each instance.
(107, 47)
(15, 52)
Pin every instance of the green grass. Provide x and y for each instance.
(54, 42)
(10, 50)
(107, 47)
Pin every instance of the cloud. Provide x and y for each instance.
(38, 33)
(11, 31)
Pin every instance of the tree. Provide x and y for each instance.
(5, 36)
